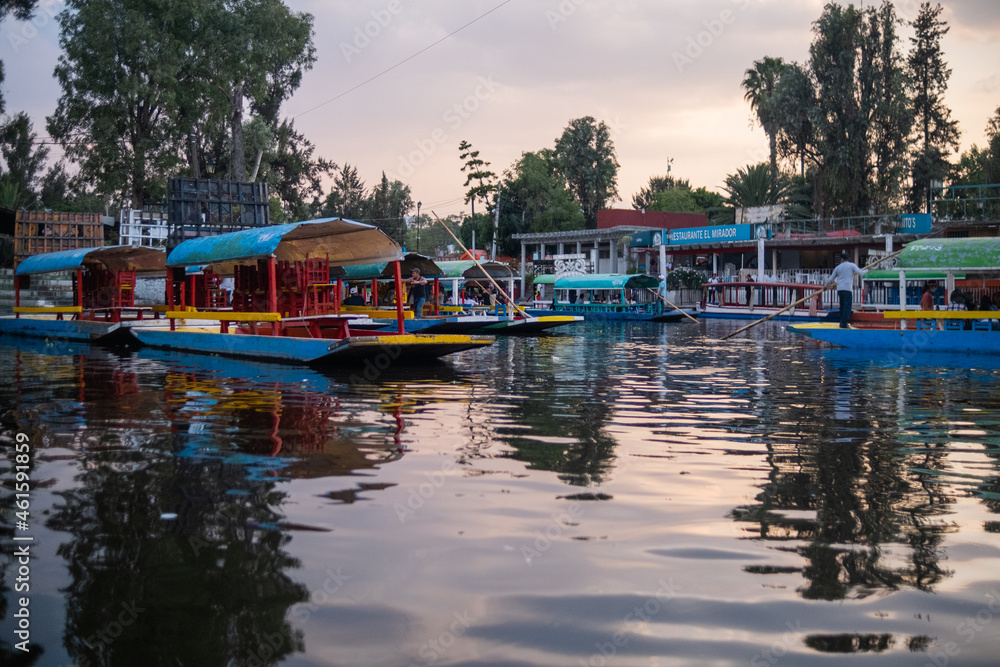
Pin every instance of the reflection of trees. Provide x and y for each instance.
(842, 486)
(206, 588)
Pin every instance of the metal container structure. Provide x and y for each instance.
(38, 232)
(198, 207)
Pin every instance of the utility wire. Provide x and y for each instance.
(402, 62)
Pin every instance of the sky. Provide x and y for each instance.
(398, 84)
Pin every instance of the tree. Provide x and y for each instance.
(536, 200)
(937, 132)
(387, 206)
(347, 197)
(585, 156)
(760, 82)
(796, 107)
(23, 158)
(481, 179)
(676, 200)
(292, 173)
(646, 196)
(256, 51)
(125, 73)
(751, 186)
(862, 119)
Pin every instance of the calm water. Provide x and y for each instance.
(623, 495)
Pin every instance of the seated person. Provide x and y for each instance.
(354, 299)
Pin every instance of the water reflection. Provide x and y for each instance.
(761, 478)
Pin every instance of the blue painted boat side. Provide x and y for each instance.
(279, 348)
(78, 330)
(905, 341)
(453, 325)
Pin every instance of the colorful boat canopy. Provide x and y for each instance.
(427, 267)
(345, 242)
(468, 270)
(967, 254)
(127, 257)
(911, 274)
(607, 281)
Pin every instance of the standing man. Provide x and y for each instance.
(843, 276)
(418, 289)
(661, 291)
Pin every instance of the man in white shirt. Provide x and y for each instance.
(843, 276)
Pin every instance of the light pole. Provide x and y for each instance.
(418, 228)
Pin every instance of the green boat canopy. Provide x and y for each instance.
(607, 281)
(911, 274)
(544, 279)
(969, 254)
(468, 270)
(382, 270)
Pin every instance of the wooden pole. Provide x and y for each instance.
(397, 276)
(488, 276)
(812, 295)
(672, 305)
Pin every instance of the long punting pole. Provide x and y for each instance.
(673, 306)
(473, 256)
(812, 295)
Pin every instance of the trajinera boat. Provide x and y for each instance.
(101, 306)
(753, 300)
(285, 305)
(607, 296)
(908, 331)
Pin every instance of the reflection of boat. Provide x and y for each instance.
(913, 332)
(284, 306)
(753, 300)
(103, 296)
(605, 296)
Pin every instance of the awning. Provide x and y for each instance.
(345, 242)
(468, 270)
(126, 257)
(544, 279)
(427, 267)
(911, 274)
(968, 254)
(607, 281)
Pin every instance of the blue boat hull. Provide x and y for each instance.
(312, 351)
(907, 342)
(76, 330)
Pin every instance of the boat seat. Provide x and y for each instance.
(953, 325)
(926, 325)
(981, 325)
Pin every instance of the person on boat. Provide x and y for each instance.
(418, 289)
(927, 299)
(354, 299)
(713, 281)
(843, 278)
(661, 290)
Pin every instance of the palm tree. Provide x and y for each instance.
(751, 186)
(760, 82)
